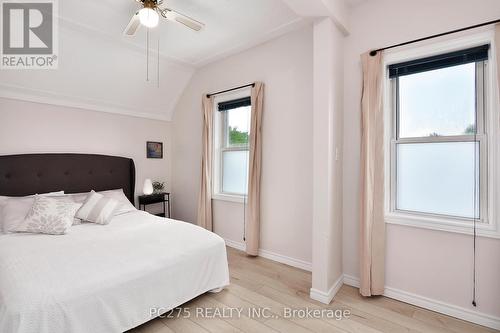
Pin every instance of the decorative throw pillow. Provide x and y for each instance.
(124, 204)
(13, 210)
(97, 209)
(49, 215)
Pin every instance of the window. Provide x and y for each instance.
(438, 145)
(232, 131)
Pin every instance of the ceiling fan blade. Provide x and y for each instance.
(187, 21)
(133, 25)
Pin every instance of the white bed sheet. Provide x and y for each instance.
(105, 278)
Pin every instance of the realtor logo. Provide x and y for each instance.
(29, 32)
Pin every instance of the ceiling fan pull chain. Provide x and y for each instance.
(158, 64)
(147, 55)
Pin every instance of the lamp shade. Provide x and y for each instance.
(148, 187)
(148, 17)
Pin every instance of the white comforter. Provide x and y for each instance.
(105, 278)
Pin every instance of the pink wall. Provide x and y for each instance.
(438, 265)
(327, 168)
(27, 127)
(429, 263)
(286, 192)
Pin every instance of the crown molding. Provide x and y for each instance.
(336, 10)
(45, 97)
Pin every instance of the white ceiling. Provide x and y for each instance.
(229, 24)
(100, 69)
(353, 3)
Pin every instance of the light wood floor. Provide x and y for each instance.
(261, 283)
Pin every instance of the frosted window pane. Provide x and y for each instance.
(439, 102)
(234, 177)
(238, 122)
(437, 178)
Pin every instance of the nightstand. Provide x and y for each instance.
(145, 200)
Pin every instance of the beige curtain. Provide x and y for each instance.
(372, 229)
(205, 199)
(255, 166)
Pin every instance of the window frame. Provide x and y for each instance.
(221, 145)
(480, 138)
(487, 133)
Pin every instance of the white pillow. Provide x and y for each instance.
(13, 210)
(4, 198)
(49, 215)
(124, 207)
(97, 209)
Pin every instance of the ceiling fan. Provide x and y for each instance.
(150, 13)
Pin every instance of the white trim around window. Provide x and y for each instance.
(217, 151)
(489, 225)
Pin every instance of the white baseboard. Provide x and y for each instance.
(235, 245)
(351, 281)
(273, 256)
(307, 266)
(434, 305)
(326, 297)
(397, 294)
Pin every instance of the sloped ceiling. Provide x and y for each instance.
(100, 69)
(354, 3)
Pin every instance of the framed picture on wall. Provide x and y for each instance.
(154, 149)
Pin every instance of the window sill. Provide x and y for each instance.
(442, 224)
(230, 198)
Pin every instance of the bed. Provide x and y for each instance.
(98, 278)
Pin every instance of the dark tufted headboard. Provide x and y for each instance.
(28, 174)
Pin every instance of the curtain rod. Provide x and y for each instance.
(228, 90)
(374, 52)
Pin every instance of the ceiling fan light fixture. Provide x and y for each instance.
(149, 17)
